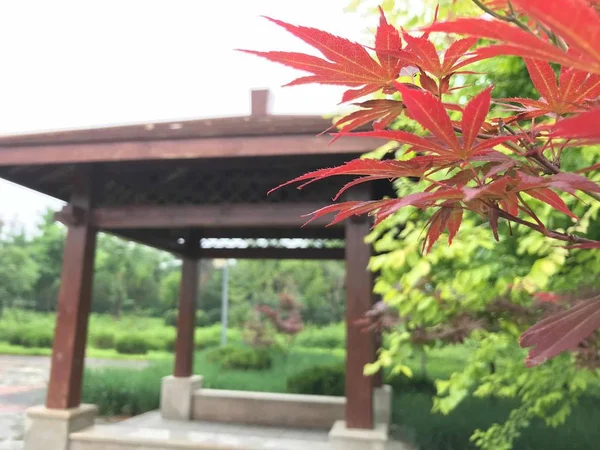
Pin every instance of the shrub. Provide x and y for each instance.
(32, 337)
(332, 336)
(211, 336)
(170, 317)
(416, 383)
(119, 391)
(234, 357)
(103, 339)
(132, 344)
(319, 380)
(330, 380)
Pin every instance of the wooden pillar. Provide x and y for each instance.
(360, 347)
(74, 299)
(186, 320)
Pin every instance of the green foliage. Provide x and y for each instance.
(170, 317)
(132, 344)
(103, 340)
(330, 380)
(320, 380)
(211, 336)
(123, 391)
(130, 278)
(18, 273)
(331, 336)
(236, 357)
(32, 337)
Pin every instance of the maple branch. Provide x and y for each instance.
(566, 237)
(509, 18)
(536, 155)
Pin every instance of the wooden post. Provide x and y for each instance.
(378, 377)
(186, 320)
(74, 299)
(360, 346)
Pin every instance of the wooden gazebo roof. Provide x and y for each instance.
(161, 183)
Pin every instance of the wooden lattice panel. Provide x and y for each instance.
(271, 243)
(181, 184)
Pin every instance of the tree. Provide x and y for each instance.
(47, 251)
(521, 175)
(19, 272)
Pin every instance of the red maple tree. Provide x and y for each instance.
(492, 166)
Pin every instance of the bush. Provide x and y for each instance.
(319, 380)
(119, 391)
(416, 383)
(330, 380)
(103, 340)
(233, 357)
(332, 336)
(211, 336)
(32, 337)
(170, 317)
(132, 344)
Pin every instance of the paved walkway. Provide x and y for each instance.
(23, 381)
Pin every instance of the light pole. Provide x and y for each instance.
(224, 264)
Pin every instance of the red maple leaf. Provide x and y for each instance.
(381, 112)
(579, 28)
(582, 126)
(573, 92)
(561, 332)
(430, 112)
(448, 216)
(346, 63)
(421, 52)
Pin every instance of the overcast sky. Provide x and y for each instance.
(73, 64)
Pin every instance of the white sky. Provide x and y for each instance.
(72, 64)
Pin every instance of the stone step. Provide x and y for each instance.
(110, 437)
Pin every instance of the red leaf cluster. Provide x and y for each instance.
(495, 167)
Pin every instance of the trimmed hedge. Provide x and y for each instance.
(118, 391)
(330, 380)
(32, 337)
(132, 344)
(234, 357)
(319, 380)
(103, 340)
(331, 336)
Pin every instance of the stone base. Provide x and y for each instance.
(342, 438)
(176, 396)
(276, 410)
(382, 404)
(49, 429)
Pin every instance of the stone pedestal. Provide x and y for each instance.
(49, 429)
(382, 404)
(342, 438)
(176, 396)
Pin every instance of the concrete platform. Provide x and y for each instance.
(150, 431)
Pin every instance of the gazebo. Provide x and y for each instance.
(172, 186)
